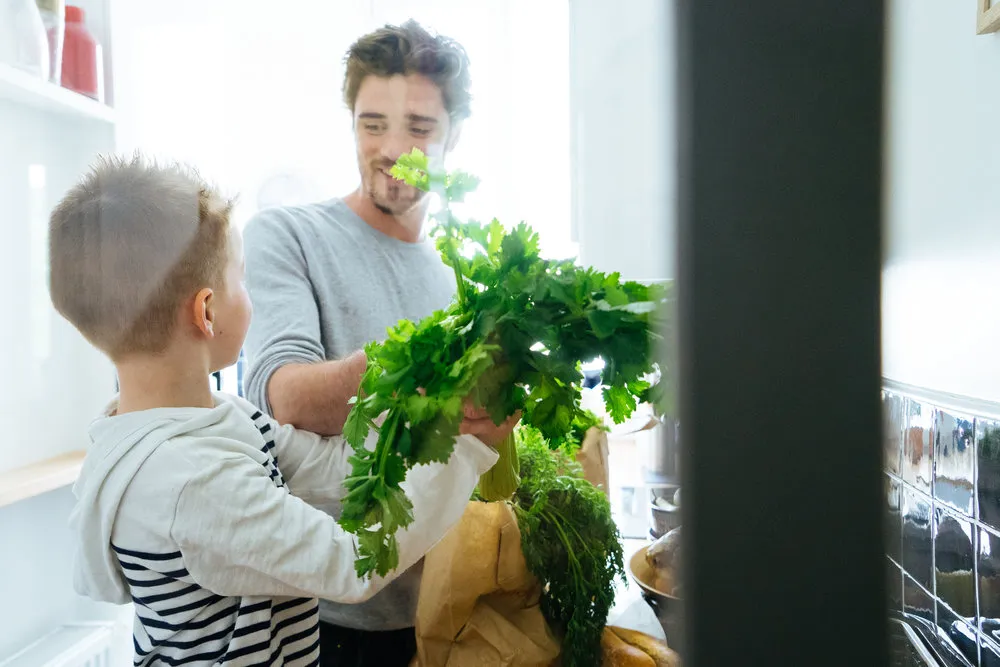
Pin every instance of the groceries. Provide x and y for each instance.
(621, 647)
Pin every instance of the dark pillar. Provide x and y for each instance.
(780, 130)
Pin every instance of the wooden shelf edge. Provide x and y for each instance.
(38, 478)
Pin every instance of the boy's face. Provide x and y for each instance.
(393, 115)
(232, 308)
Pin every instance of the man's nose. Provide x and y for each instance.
(396, 144)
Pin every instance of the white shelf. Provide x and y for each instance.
(42, 477)
(22, 88)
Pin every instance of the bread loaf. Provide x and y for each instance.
(657, 649)
(617, 653)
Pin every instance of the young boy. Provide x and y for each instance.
(192, 504)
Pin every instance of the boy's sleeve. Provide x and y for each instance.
(285, 326)
(239, 534)
(314, 467)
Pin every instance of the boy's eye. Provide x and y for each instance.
(420, 131)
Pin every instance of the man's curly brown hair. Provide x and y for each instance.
(411, 49)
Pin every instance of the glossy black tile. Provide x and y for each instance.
(988, 448)
(989, 583)
(894, 422)
(916, 600)
(955, 461)
(916, 465)
(962, 635)
(894, 585)
(990, 654)
(954, 562)
(918, 543)
(893, 519)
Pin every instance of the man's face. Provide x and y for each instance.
(392, 115)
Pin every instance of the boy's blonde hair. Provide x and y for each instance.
(128, 244)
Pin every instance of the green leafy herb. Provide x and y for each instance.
(512, 340)
(570, 543)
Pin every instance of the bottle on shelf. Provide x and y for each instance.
(83, 60)
(23, 43)
(54, 19)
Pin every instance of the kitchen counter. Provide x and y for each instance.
(630, 609)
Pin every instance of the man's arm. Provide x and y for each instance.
(289, 376)
(314, 397)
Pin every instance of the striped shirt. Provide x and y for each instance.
(180, 623)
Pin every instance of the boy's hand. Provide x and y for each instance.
(477, 422)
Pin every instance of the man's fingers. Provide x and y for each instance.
(472, 412)
(485, 427)
(475, 426)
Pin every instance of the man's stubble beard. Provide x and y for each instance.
(401, 205)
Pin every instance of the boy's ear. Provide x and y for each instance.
(203, 312)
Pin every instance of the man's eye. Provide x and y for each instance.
(420, 131)
(373, 127)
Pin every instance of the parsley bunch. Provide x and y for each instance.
(570, 543)
(513, 339)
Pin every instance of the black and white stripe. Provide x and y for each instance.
(180, 623)
(260, 421)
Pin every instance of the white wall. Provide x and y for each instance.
(941, 285)
(249, 95)
(621, 64)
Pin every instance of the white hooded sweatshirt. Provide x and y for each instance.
(186, 513)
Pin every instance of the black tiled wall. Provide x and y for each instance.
(942, 486)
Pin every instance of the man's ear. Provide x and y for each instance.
(203, 312)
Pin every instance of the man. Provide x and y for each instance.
(326, 278)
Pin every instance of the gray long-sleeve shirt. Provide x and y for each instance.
(323, 283)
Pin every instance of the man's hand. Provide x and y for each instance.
(478, 422)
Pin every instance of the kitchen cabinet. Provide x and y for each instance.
(52, 382)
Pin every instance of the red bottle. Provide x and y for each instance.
(82, 64)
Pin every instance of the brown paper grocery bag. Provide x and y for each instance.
(478, 603)
(593, 456)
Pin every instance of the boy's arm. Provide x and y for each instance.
(313, 467)
(241, 535)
